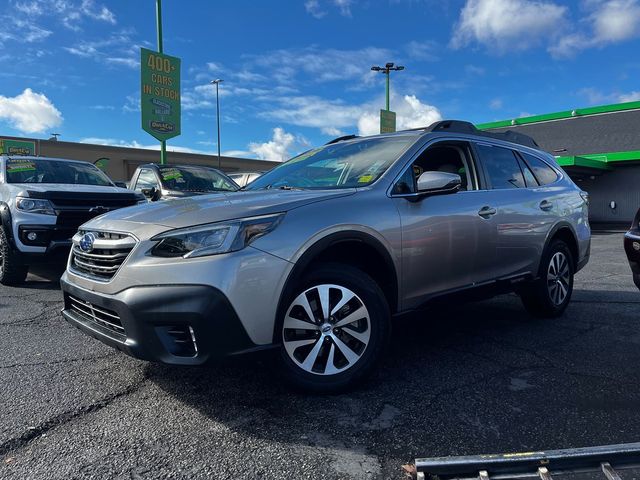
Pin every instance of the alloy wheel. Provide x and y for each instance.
(558, 278)
(326, 329)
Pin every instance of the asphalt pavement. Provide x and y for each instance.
(459, 380)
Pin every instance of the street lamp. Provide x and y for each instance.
(217, 82)
(386, 69)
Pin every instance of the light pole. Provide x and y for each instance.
(386, 69)
(217, 82)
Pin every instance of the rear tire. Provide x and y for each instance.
(334, 329)
(549, 295)
(12, 272)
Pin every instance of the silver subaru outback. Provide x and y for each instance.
(317, 256)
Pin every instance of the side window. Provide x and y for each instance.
(146, 179)
(502, 167)
(543, 172)
(442, 157)
(529, 178)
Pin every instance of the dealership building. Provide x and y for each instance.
(120, 162)
(599, 147)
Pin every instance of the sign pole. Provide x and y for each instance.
(163, 143)
(387, 72)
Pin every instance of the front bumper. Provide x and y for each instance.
(632, 238)
(174, 324)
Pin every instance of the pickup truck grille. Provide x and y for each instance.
(105, 258)
(90, 313)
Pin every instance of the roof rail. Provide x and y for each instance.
(340, 139)
(459, 126)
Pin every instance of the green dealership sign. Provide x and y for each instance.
(17, 147)
(160, 94)
(387, 121)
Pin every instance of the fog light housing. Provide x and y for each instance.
(32, 236)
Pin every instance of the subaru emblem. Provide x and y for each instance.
(86, 242)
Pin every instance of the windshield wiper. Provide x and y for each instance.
(283, 187)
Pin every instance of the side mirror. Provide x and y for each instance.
(439, 182)
(151, 193)
(121, 184)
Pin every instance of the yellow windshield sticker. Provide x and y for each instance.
(305, 155)
(15, 166)
(365, 178)
(171, 174)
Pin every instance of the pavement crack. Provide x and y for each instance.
(57, 362)
(34, 432)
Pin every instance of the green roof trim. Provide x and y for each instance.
(579, 112)
(601, 161)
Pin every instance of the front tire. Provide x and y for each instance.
(549, 295)
(12, 272)
(334, 329)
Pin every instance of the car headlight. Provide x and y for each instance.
(214, 238)
(34, 205)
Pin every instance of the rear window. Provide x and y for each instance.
(543, 172)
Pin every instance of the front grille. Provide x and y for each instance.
(104, 260)
(98, 315)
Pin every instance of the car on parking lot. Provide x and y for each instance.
(318, 255)
(43, 201)
(632, 248)
(244, 178)
(161, 182)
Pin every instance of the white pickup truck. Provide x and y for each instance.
(43, 201)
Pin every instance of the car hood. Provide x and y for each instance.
(65, 187)
(186, 212)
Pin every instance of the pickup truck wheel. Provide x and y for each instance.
(549, 295)
(12, 272)
(334, 329)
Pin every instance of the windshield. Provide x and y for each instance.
(32, 170)
(340, 165)
(195, 180)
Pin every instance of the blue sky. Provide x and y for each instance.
(297, 72)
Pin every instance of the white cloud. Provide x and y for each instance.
(332, 117)
(97, 12)
(410, 113)
(114, 142)
(608, 22)
(507, 24)
(496, 104)
(276, 149)
(314, 8)
(29, 112)
(125, 61)
(424, 51)
(630, 97)
(597, 97)
(320, 65)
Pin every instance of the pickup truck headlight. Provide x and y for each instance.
(214, 238)
(34, 205)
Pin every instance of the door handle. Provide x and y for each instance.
(486, 212)
(546, 205)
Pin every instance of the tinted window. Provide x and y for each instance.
(502, 167)
(543, 172)
(195, 179)
(529, 178)
(33, 170)
(147, 179)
